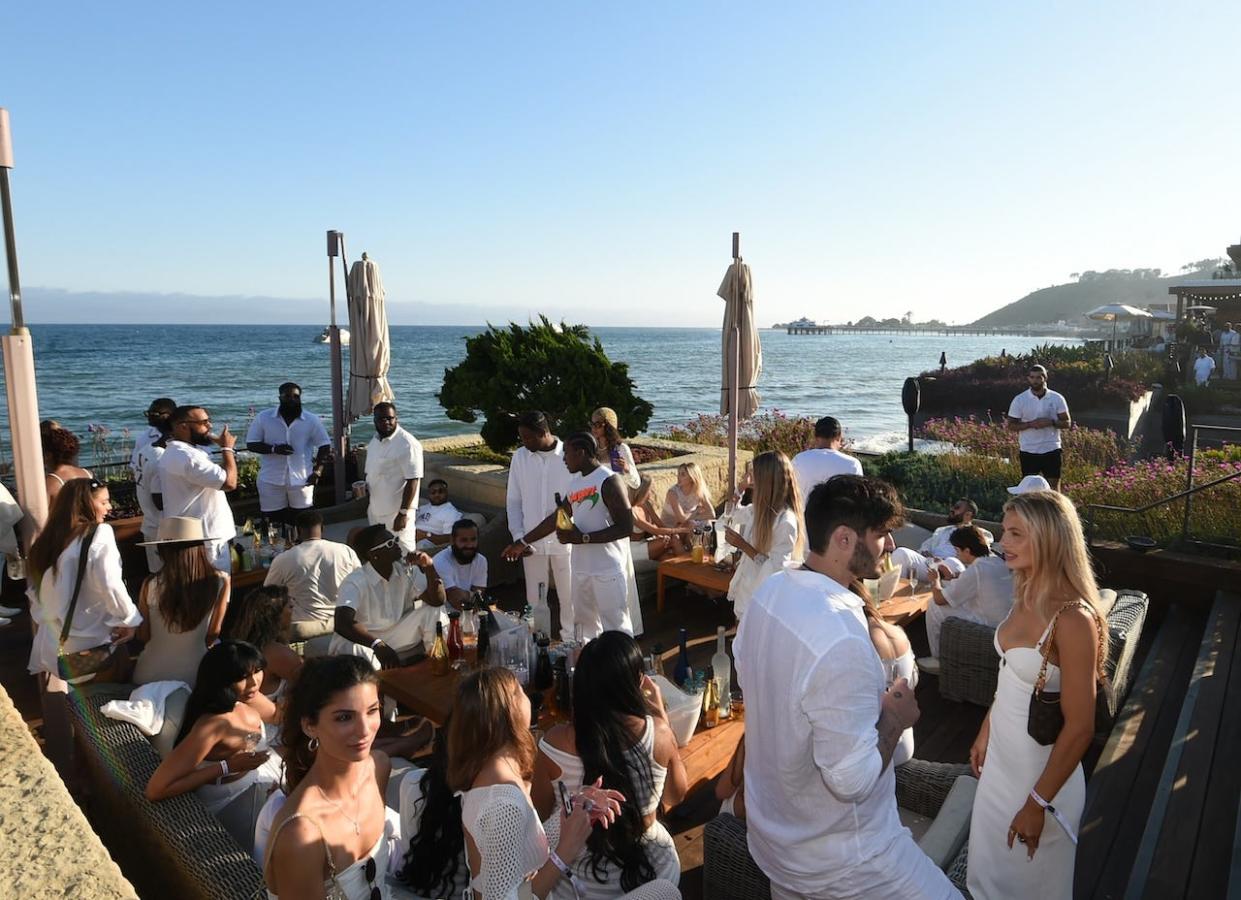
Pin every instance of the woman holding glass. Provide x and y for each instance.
(772, 536)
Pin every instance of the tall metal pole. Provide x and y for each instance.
(19, 383)
(732, 362)
(339, 447)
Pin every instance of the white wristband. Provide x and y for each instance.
(375, 643)
(564, 870)
(1055, 814)
(223, 772)
(232, 450)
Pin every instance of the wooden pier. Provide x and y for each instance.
(947, 330)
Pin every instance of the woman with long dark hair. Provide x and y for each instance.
(330, 837)
(220, 746)
(264, 617)
(182, 605)
(435, 864)
(619, 734)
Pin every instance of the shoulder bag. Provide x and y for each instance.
(97, 663)
(1046, 718)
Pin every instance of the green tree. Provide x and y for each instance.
(558, 369)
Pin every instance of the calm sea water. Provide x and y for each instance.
(107, 374)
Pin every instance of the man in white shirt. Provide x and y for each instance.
(434, 519)
(982, 593)
(312, 572)
(1038, 415)
(536, 474)
(938, 547)
(393, 474)
(1204, 365)
(150, 496)
(192, 485)
(824, 458)
(820, 726)
(460, 564)
(159, 421)
(1229, 351)
(387, 608)
(293, 447)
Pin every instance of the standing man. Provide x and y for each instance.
(460, 564)
(149, 490)
(599, 505)
(1229, 351)
(159, 422)
(393, 473)
(293, 447)
(821, 725)
(824, 458)
(1204, 365)
(192, 485)
(536, 474)
(1038, 415)
(312, 572)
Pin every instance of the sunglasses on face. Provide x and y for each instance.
(386, 545)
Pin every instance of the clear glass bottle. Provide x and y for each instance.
(681, 672)
(455, 644)
(723, 668)
(542, 612)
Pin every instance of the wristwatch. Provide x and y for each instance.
(585, 537)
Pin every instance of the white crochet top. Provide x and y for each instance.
(511, 843)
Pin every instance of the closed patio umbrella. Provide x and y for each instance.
(1114, 312)
(743, 354)
(369, 356)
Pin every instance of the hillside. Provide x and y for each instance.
(1067, 302)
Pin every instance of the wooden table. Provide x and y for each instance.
(683, 568)
(905, 605)
(245, 580)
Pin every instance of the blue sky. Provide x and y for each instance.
(590, 158)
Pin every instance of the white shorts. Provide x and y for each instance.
(601, 603)
(275, 497)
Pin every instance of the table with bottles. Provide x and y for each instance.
(254, 549)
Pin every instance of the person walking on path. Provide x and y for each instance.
(393, 475)
(1038, 414)
(194, 486)
(1229, 351)
(293, 447)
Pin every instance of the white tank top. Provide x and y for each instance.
(590, 514)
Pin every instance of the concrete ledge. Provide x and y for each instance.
(49, 847)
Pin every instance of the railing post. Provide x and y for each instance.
(1189, 483)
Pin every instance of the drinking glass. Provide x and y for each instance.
(890, 672)
(252, 741)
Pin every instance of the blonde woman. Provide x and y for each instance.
(774, 535)
(1030, 796)
(687, 501)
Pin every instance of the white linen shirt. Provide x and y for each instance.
(305, 435)
(1026, 408)
(1203, 367)
(191, 485)
(533, 481)
(437, 519)
(380, 604)
(103, 601)
(147, 483)
(459, 575)
(985, 589)
(390, 462)
(145, 438)
(313, 572)
(818, 798)
(816, 465)
(940, 547)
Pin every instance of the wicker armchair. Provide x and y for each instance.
(729, 872)
(969, 666)
(174, 848)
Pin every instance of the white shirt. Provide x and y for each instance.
(380, 604)
(751, 573)
(1026, 407)
(818, 797)
(590, 513)
(191, 483)
(985, 588)
(10, 514)
(305, 435)
(147, 483)
(533, 481)
(144, 439)
(313, 572)
(1203, 367)
(390, 462)
(1229, 338)
(461, 575)
(817, 465)
(437, 519)
(103, 601)
(940, 547)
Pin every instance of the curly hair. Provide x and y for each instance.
(60, 448)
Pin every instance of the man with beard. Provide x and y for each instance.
(821, 724)
(460, 564)
(938, 550)
(1038, 415)
(393, 474)
(192, 485)
(293, 447)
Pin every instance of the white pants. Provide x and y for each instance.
(916, 566)
(602, 603)
(154, 563)
(416, 627)
(275, 497)
(537, 567)
(633, 600)
(935, 615)
(406, 536)
(901, 871)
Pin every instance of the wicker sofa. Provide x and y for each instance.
(969, 665)
(923, 791)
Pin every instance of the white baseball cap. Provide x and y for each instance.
(1029, 484)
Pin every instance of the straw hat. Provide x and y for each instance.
(177, 530)
(1029, 484)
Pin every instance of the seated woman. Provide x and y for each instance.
(982, 593)
(647, 524)
(329, 839)
(771, 535)
(263, 618)
(619, 734)
(688, 501)
(897, 657)
(60, 457)
(435, 864)
(220, 747)
(182, 605)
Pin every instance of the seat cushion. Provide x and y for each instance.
(174, 715)
(943, 840)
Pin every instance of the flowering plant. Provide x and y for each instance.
(773, 430)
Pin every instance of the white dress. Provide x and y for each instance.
(351, 883)
(1013, 764)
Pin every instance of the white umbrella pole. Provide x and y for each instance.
(19, 380)
(334, 239)
(733, 363)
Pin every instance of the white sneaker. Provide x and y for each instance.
(9, 612)
(929, 665)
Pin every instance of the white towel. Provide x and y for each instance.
(145, 706)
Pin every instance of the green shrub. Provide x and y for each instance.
(554, 368)
(934, 481)
(765, 431)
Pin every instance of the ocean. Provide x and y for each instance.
(91, 375)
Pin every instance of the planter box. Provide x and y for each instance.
(1125, 419)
